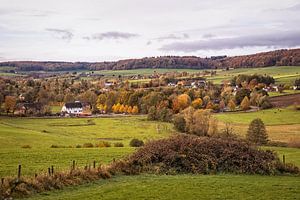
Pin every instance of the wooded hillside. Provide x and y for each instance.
(279, 57)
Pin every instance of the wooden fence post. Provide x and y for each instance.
(2, 181)
(283, 159)
(19, 171)
(49, 171)
(52, 170)
(94, 164)
(73, 167)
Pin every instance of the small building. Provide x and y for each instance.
(29, 108)
(76, 108)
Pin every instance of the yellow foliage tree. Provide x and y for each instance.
(126, 109)
(135, 110)
(122, 109)
(181, 102)
(231, 105)
(209, 105)
(245, 104)
(129, 110)
(197, 103)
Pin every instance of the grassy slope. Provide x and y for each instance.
(16, 132)
(283, 125)
(270, 117)
(283, 74)
(183, 187)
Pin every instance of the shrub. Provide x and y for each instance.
(26, 146)
(87, 145)
(54, 146)
(179, 123)
(118, 144)
(78, 146)
(19, 188)
(192, 154)
(257, 132)
(136, 143)
(264, 102)
(103, 144)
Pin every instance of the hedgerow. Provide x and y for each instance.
(203, 155)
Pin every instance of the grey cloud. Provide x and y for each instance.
(294, 8)
(115, 35)
(208, 35)
(276, 39)
(172, 37)
(61, 33)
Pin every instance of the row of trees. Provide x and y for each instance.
(202, 123)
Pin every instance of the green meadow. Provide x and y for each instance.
(41, 133)
(183, 187)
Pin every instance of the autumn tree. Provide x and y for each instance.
(135, 110)
(197, 103)
(201, 122)
(181, 102)
(10, 104)
(231, 105)
(222, 105)
(245, 104)
(257, 132)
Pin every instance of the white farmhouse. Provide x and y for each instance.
(75, 108)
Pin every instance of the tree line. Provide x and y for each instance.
(279, 57)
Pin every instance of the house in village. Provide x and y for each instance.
(77, 108)
(29, 108)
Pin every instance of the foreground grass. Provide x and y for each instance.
(41, 133)
(183, 187)
(37, 161)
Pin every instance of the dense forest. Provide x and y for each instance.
(279, 57)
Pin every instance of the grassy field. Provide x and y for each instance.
(282, 74)
(40, 134)
(281, 124)
(274, 116)
(183, 187)
(292, 155)
(285, 92)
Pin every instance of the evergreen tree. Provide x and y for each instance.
(257, 133)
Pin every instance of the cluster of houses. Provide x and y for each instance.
(188, 83)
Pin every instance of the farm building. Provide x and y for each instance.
(76, 108)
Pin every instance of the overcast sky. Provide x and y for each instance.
(98, 30)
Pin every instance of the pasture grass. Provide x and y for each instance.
(41, 133)
(275, 116)
(281, 74)
(285, 92)
(182, 187)
(292, 155)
